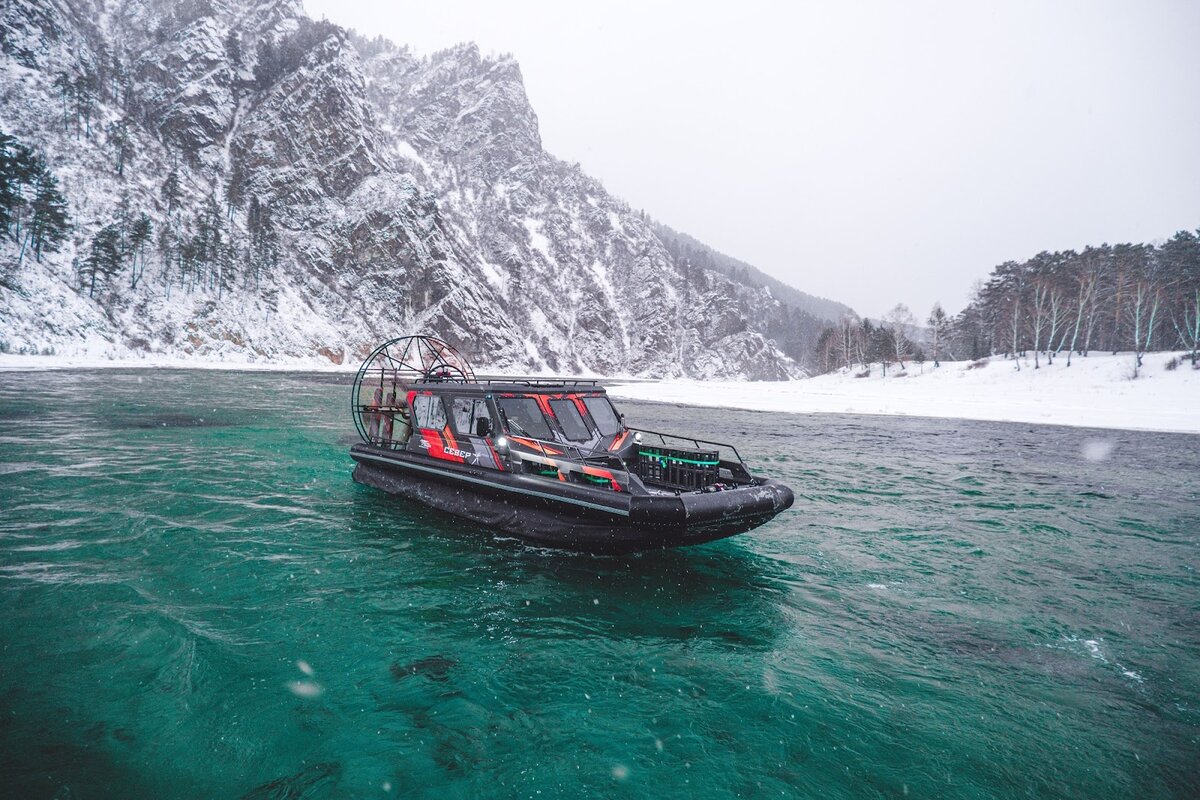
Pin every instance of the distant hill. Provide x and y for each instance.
(681, 245)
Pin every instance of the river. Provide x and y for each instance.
(197, 601)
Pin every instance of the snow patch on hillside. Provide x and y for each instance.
(538, 239)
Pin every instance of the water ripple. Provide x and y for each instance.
(953, 609)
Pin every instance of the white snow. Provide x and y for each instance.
(1094, 392)
(538, 239)
(614, 220)
(494, 276)
(408, 152)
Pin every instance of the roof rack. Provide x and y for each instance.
(535, 382)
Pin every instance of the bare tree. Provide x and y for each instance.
(938, 323)
(1014, 318)
(898, 322)
(848, 334)
(1143, 306)
(1055, 320)
(1188, 324)
(862, 344)
(1087, 284)
(1038, 312)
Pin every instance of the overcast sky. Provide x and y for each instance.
(870, 152)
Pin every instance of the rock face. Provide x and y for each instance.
(404, 195)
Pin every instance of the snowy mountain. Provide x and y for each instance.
(312, 193)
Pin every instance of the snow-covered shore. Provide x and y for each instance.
(1094, 392)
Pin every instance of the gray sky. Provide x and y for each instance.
(870, 152)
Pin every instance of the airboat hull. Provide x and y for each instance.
(566, 515)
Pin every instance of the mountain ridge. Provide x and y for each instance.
(334, 191)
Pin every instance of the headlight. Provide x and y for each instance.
(501, 444)
(637, 438)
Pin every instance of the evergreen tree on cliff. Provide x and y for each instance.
(48, 218)
(104, 258)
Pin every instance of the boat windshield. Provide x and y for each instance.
(571, 420)
(524, 418)
(604, 415)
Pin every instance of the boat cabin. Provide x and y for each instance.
(561, 429)
(482, 422)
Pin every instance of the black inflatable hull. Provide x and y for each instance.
(570, 516)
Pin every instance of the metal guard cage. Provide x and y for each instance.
(378, 399)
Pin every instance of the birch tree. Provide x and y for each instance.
(898, 322)
(938, 322)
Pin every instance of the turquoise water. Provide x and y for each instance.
(196, 601)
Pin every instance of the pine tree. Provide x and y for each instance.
(121, 142)
(139, 236)
(235, 191)
(66, 90)
(1180, 264)
(104, 258)
(264, 240)
(21, 168)
(233, 49)
(253, 223)
(227, 259)
(212, 242)
(123, 217)
(253, 214)
(100, 74)
(118, 80)
(8, 181)
(83, 93)
(171, 192)
(168, 249)
(48, 220)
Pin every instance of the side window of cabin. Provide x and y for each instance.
(428, 412)
(471, 417)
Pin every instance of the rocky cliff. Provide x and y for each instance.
(312, 192)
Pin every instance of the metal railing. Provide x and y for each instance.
(743, 472)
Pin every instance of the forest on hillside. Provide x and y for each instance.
(237, 181)
(198, 250)
(794, 324)
(1125, 297)
(226, 243)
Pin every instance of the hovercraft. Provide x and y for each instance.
(550, 461)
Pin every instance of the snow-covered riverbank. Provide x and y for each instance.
(1095, 392)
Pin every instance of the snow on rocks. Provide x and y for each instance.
(409, 194)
